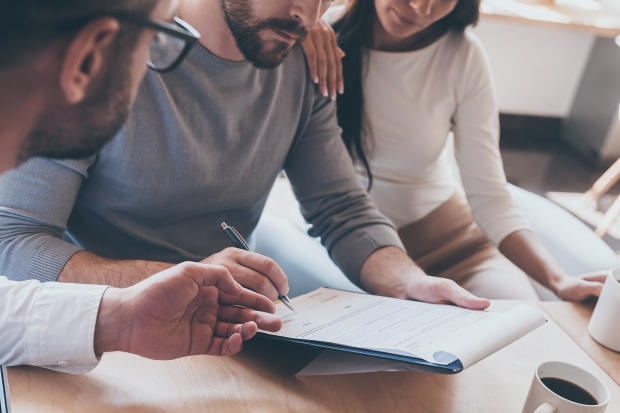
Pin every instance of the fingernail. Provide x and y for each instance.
(341, 89)
(325, 93)
(333, 96)
(316, 79)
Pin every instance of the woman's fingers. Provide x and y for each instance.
(332, 62)
(324, 59)
(323, 64)
(590, 288)
(338, 85)
(311, 58)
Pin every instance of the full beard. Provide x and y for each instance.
(246, 29)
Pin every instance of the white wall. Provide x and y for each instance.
(537, 68)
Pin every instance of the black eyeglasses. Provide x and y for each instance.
(169, 46)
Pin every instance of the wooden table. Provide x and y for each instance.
(571, 14)
(574, 319)
(262, 379)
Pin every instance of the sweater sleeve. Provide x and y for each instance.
(331, 197)
(476, 138)
(36, 200)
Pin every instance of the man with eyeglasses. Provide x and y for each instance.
(69, 72)
(204, 144)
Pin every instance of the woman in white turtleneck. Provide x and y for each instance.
(413, 75)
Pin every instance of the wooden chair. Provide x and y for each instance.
(600, 188)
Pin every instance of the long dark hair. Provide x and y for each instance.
(354, 31)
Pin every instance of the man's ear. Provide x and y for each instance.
(85, 57)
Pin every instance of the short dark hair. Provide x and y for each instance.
(29, 26)
(354, 34)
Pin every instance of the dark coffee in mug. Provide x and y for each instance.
(569, 391)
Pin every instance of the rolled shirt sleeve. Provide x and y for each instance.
(49, 325)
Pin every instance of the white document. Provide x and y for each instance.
(439, 334)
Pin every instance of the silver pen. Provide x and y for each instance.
(240, 243)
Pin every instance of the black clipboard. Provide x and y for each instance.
(414, 364)
(5, 400)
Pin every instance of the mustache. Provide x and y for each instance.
(285, 25)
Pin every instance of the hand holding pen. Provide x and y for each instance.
(240, 243)
(253, 271)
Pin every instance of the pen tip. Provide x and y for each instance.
(288, 303)
(224, 225)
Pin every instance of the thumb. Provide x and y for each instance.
(463, 298)
(592, 288)
(475, 303)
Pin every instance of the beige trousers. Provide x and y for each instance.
(448, 243)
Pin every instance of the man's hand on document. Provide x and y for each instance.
(391, 273)
(253, 271)
(189, 309)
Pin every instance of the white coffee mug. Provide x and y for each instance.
(603, 325)
(541, 399)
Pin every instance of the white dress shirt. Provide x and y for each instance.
(49, 325)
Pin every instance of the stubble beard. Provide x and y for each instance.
(247, 30)
(79, 131)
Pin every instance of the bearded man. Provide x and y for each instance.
(204, 144)
(69, 72)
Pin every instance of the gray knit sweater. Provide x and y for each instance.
(203, 145)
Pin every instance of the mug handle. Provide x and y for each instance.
(546, 408)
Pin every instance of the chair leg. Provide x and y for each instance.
(603, 184)
(608, 220)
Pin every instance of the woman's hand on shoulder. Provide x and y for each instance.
(324, 59)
